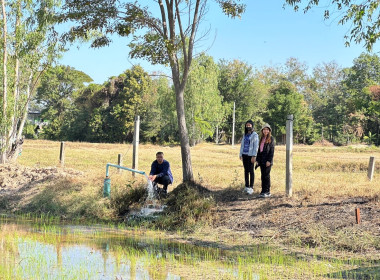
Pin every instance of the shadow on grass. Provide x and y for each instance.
(361, 273)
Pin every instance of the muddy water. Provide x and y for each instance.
(41, 251)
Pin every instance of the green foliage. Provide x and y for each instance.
(203, 103)
(370, 139)
(32, 45)
(284, 101)
(158, 44)
(160, 122)
(326, 93)
(106, 113)
(29, 131)
(360, 83)
(238, 84)
(339, 105)
(58, 89)
(126, 101)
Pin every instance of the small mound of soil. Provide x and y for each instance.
(13, 176)
(323, 143)
(181, 188)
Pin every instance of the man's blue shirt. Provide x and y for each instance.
(161, 169)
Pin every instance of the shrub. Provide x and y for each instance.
(123, 197)
(188, 204)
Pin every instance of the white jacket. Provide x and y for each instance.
(253, 145)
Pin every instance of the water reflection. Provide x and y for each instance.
(39, 251)
(77, 252)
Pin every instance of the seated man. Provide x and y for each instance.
(160, 173)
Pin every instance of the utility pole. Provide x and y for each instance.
(233, 127)
(136, 140)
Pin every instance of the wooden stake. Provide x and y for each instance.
(62, 154)
(357, 214)
(120, 161)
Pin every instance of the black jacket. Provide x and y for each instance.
(267, 153)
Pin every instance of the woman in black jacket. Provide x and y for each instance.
(265, 158)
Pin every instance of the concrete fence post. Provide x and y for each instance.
(371, 168)
(289, 155)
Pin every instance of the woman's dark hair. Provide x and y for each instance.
(245, 126)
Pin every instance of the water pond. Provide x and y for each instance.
(39, 250)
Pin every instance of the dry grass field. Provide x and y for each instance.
(318, 171)
(329, 183)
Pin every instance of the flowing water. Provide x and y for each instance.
(44, 250)
(151, 207)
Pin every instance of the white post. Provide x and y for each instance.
(371, 168)
(217, 135)
(136, 140)
(233, 127)
(289, 155)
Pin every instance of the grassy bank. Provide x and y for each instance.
(328, 184)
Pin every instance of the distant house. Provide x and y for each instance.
(34, 117)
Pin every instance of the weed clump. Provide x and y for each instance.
(189, 204)
(124, 197)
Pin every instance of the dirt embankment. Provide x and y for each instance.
(278, 214)
(18, 182)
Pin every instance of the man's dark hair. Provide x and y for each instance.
(159, 153)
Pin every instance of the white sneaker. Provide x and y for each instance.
(245, 190)
(249, 190)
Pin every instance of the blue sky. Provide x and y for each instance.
(266, 35)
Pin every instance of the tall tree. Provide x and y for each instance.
(237, 83)
(359, 82)
(327, 98)
(285, 100)
(362, 16)
(167, 111)
(161, 34)
(29, 44)
(58, 89)
(203, 101)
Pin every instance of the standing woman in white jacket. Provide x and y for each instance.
(248, 152)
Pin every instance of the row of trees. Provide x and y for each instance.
(340, 105)
(162, 32)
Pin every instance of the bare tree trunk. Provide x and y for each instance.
(187, 170)
(12, 140)
(4, 147)
(25, 115)
(19, 140)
